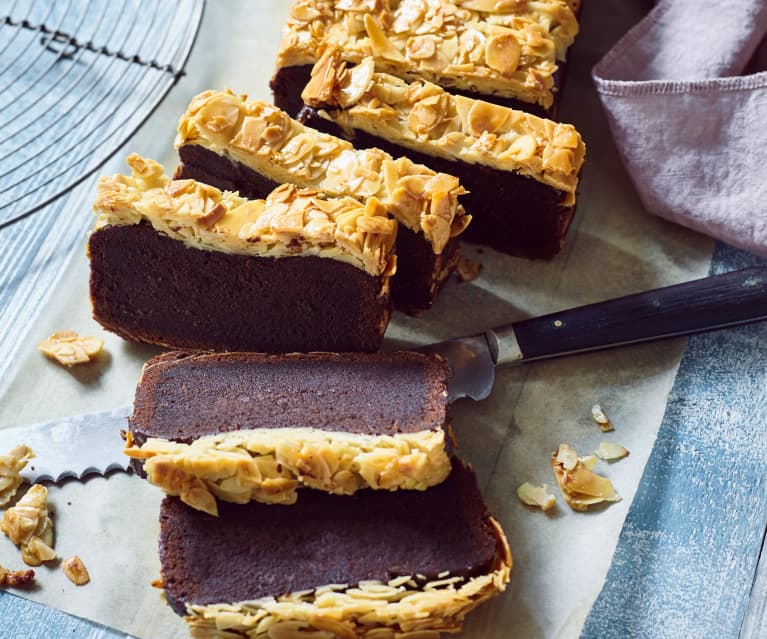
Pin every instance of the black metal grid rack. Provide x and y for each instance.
(77, 78)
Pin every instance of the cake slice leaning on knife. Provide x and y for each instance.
(182, 264)
(248, 426)
(252, 147)
(375, 565)
(521, 171)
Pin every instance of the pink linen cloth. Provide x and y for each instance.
(691, 128)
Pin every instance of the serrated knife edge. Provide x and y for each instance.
(72, 447)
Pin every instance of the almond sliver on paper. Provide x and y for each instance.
(580, 487)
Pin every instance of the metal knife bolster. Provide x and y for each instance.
(503, 345)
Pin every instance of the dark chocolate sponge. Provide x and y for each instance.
(148, 287)
(183, 396)
(258, 550)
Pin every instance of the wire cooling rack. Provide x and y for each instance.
(77, 78)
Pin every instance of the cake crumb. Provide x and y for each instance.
(69, 348)
(580, 487)
(468, 270)
(16, 578)
(538, 496)
(29, 526)
(611, 452)
(11, 465)
(605, 425)
(75, 570)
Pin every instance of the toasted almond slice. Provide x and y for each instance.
(611, 452)
(579, 485)
(538, 496)
(600, 418)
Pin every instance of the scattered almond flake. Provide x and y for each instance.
(468, 270)
(75, 570)
(580, 487)
(567, 457)
(69, 348)
(610, 452)
(16, 578)
(538, 496)
(29, 526)
(600, 418)
(11, 466)
(589, 462)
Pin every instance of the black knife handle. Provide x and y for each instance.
(713, 302)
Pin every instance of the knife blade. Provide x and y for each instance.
(21, 617)
(73, 446)
(90, 443)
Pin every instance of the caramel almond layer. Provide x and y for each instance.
(401, 608)
(289, 222)
(268, 465)
(426, 118)
(508, 48)
(267, 140)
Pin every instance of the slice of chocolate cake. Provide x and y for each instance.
(521, 171)
(511, 52)
(375, 564)
(247, 426)
(182, 264)
(252, 147)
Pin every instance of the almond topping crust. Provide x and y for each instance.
(426, 118)
(509, 48)
(310, 159)
(269, 465)
(68, 348)
(290, 221)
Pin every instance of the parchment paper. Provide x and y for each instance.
(614, 248)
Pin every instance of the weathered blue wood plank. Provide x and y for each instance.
(687, 555)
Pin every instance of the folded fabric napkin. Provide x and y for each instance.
(690, 126)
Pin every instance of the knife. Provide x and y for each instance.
(39, 621)
(718, 301)
(85, 444)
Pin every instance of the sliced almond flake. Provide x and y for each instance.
(567, 457)
(600, 418)
(538, 496)
(610, 452)
(580, 487)
(69, 348)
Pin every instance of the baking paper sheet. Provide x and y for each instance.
(614, 248)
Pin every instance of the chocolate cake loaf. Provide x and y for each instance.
(181, 264)
(521, 171)
(252, 147)
(511, 52)
(372, 565)
(242, 426)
